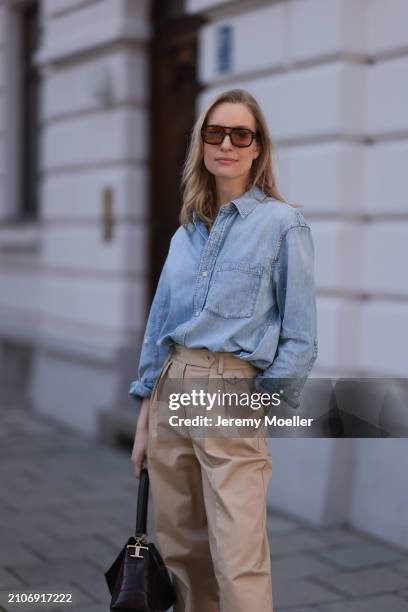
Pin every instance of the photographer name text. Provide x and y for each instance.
(256, 422)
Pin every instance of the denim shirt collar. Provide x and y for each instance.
(244, 203)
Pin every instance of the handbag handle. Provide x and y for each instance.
(142, 499)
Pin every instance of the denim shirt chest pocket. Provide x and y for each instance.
(234, 289)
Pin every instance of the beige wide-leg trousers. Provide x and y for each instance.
(209, 499)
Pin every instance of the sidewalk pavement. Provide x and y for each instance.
(68, 506)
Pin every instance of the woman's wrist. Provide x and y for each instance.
(143, 420)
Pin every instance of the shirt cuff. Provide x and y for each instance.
(139, 390)
(289, 389)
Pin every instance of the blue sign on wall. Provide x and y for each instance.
(224, 48)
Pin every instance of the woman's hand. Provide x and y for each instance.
(142, 432)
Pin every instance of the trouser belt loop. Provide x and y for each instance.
(220, 368)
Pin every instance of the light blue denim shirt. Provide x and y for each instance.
(245, 287)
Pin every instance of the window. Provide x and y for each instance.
(29, 111)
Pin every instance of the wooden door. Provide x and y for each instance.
(173, 90)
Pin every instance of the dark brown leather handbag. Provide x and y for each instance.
(138, 579)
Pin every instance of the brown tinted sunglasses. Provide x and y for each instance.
(215, 134)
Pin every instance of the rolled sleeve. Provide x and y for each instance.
(152, 356)
(293, 282)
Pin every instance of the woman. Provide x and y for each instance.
(235, 299)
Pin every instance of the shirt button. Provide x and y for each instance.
(205, 273)
(196, 313)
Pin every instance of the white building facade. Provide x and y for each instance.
(73, 279)
(331, 76)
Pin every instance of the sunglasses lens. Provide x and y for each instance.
(241, 138)
(213, 135)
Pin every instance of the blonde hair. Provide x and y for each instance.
(198, 185)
